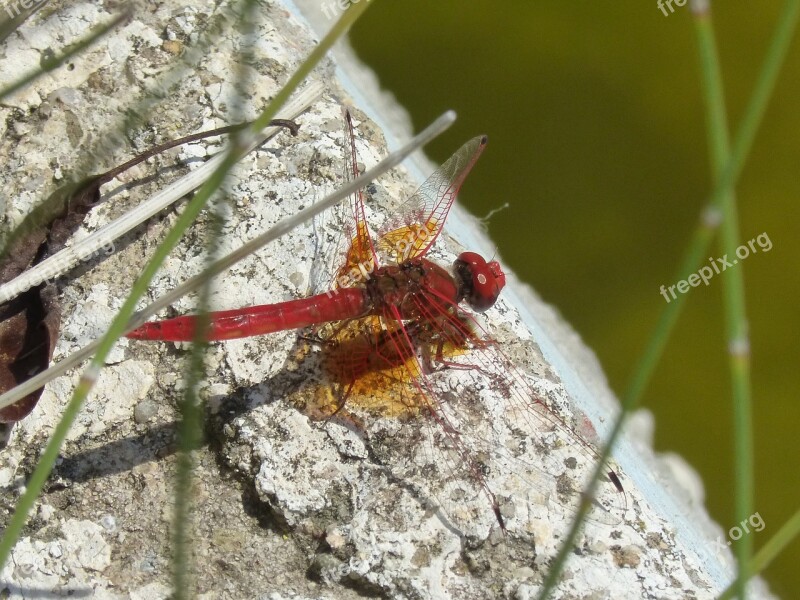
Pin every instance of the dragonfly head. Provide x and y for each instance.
(481, 281)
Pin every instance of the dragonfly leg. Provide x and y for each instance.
(443, 363)
(341, 401)
(314, 336)
(316, 340)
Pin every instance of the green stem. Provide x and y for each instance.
(710, 216)
(189, 432)
(190, 428)
(733, 290)
(697, 248)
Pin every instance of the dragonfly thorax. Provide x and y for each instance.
(413, 287)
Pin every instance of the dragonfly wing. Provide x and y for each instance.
(420, 219)
(481, 443)
(526, 447)
(344, 246)
(360, 256)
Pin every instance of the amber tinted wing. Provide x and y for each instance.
(360, 256)
(420, 219)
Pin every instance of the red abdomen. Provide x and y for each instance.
(344, 303)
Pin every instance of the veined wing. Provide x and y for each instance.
(452, 417)
(506, 439)
(360, 257)
(420, 219)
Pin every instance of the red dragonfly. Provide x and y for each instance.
(393, 320)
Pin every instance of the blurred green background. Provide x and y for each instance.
(597, 140)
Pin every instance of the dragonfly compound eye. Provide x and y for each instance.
(481, 281)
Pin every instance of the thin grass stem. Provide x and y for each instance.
(733, 287)
(190, 430)
(710, 216)
(698, 247)
(191, 407)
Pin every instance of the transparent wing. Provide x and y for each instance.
(420, 219)
(449, 415)
(360, 255)
(344, 245)
(497, 445)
